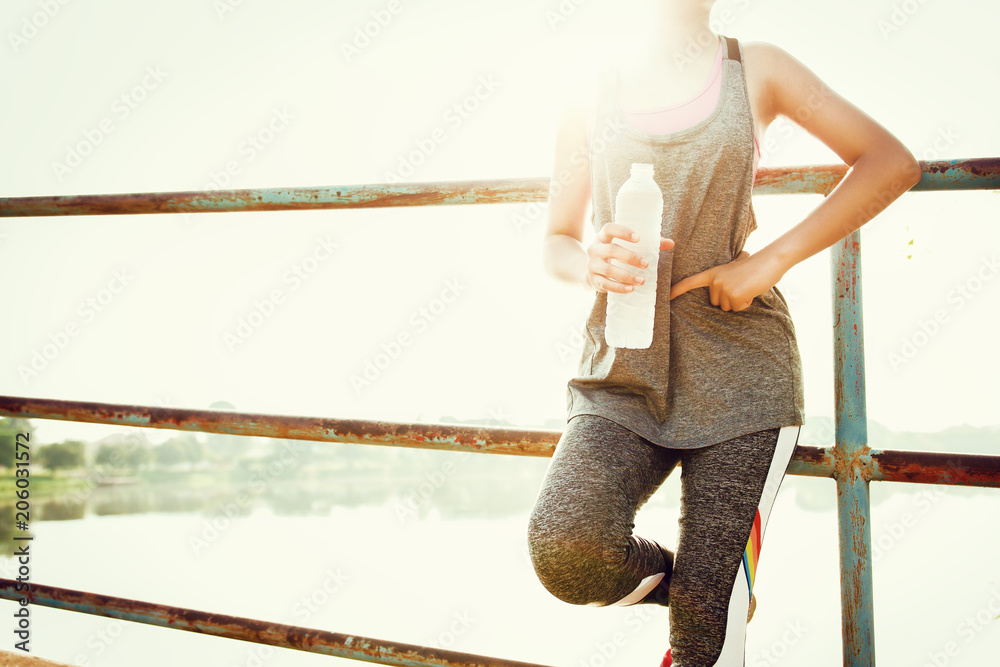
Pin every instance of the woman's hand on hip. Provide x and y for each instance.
(604, 276)
(733, 286)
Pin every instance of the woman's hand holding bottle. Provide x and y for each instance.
(604, 276)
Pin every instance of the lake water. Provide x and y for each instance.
(348, 553)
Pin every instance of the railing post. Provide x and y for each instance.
(852, 457)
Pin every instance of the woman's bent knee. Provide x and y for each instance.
(565, 566)
(574, 567)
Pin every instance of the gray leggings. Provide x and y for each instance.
(583, 550)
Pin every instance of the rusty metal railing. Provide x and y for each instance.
(972, 174)
(880, 465)
(851, 462)
(278, 635)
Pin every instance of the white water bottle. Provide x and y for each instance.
(638, 206)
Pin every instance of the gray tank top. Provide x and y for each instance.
(709, 375)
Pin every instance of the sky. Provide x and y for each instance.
(421, 313)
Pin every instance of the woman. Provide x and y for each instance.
(719, 391)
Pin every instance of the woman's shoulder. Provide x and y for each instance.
(765, 56)
(764, 60)
(770, 70)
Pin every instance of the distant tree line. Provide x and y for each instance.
(130, 455)
(9, 428)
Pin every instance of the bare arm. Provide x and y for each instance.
(881, 169)
(564, 255)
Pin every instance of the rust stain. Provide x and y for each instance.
(906, 466)
(499, 440)
(852, 461)
(937, 468)
(251, 630)
(977, 173)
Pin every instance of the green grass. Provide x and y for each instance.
(40, 485)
